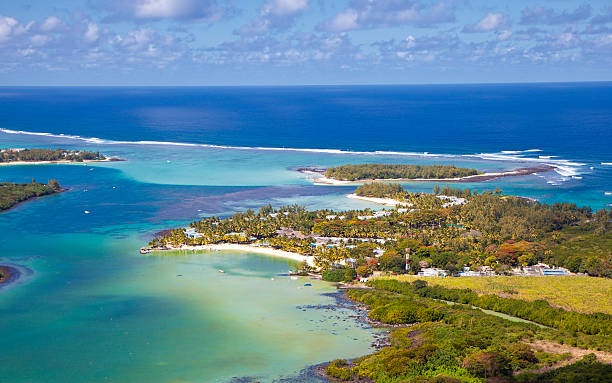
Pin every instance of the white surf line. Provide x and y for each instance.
(563, 167)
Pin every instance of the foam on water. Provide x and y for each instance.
(568, 168)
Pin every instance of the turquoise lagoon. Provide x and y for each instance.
(90, 308)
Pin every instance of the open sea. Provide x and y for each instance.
(89, 308)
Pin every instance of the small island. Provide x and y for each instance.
(355, 174)
(362, 172)
(13, 156)
(12, 194)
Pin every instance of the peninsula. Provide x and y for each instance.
(448, 232)
(12, 194)
(438, 331)
(356, 174)
(13, 156)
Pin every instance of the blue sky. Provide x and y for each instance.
(283, 42)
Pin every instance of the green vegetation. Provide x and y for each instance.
(585, 370)
(394, 171)
(537, 311)
(577, 293)
(13, 193)
(487, 230)
(379, 190)
(456, 343)
(338, 370)
(339, 275)
(33, 155)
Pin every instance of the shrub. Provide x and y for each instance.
(333, 275)
(349, 275)
(336, 370)
(364, 271)
(435, 379)
(487, 364)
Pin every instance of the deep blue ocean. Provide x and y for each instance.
(569, 120)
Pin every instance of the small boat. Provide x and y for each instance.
(86, 212)
(307, 284)
(144, 250)
(221, 271)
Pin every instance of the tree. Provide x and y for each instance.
(349, 275)
(487, 364)
(391, 261)
(364, 271)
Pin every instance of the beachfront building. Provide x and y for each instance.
(540, 270)
(376, 214)
(452, 200)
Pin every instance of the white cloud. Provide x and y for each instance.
(344, 21)
(284, 7)
(160, 9)
(8, 27)
(51, 23)
(39, 40)
(491, 22)
(504, 35)
(274, 14)
(362, 14)
(151, 10)
(93, 33)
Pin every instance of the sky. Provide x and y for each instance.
(291, 42)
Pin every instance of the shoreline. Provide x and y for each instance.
(237, 247)
(382, 201)
(59, 162)
(62, 190)
(322, 180)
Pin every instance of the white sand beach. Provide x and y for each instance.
(382, 201)
(59, 162)
(322, 180)
(247, 248)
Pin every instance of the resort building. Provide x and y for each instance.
(432, 272)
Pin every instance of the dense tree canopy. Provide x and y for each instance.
(396, 171)
(32, 155)
(489, 229)
(14, 193)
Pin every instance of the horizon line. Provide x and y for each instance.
(302, 85)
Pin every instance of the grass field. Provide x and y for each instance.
(577, 293)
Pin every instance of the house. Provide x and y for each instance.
(432, 272)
